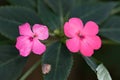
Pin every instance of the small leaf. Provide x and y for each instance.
(11, 64)
(97, 12)
(60, 59)
(91, 63)
(102, 73)
(109, 55)
(100, 70)
(111, 29)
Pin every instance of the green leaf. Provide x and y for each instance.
(81, 2)
(9, 28)
(12, 17)
(47, 16)
(100, 70)
(60, 59)
(61, 7)
(19, 14)
(26, 3)
(102, 73)
(111, 29)
(97, 12)
(91, 63)
(11, 64)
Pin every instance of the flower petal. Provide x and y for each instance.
(46, 68)
(38, 47)
(25, 29)
(85, 49)
(73, 44)
(94, 41)
(41, 31)
(91, 28)
(24, 45)
(72, 27)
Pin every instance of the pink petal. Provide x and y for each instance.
(91, 28)
(94, 41)
(41, 31)
(86, 49)
(38, 47)
(25, 29)
(73, 44)
(73, 27)
(24, 45)
(46, 68)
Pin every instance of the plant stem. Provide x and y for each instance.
(61, 14)
(26, 74)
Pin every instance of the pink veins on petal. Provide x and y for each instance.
(82, 38)
(29, 40)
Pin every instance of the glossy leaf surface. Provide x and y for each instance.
(60, 59)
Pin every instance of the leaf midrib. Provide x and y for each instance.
(92, 12)
(8, 61)
(13, 21)
(57, 60)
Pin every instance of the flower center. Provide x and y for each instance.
(31, 38)
(81, 36)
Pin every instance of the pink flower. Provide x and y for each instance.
(83, 39)
(29, 41)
